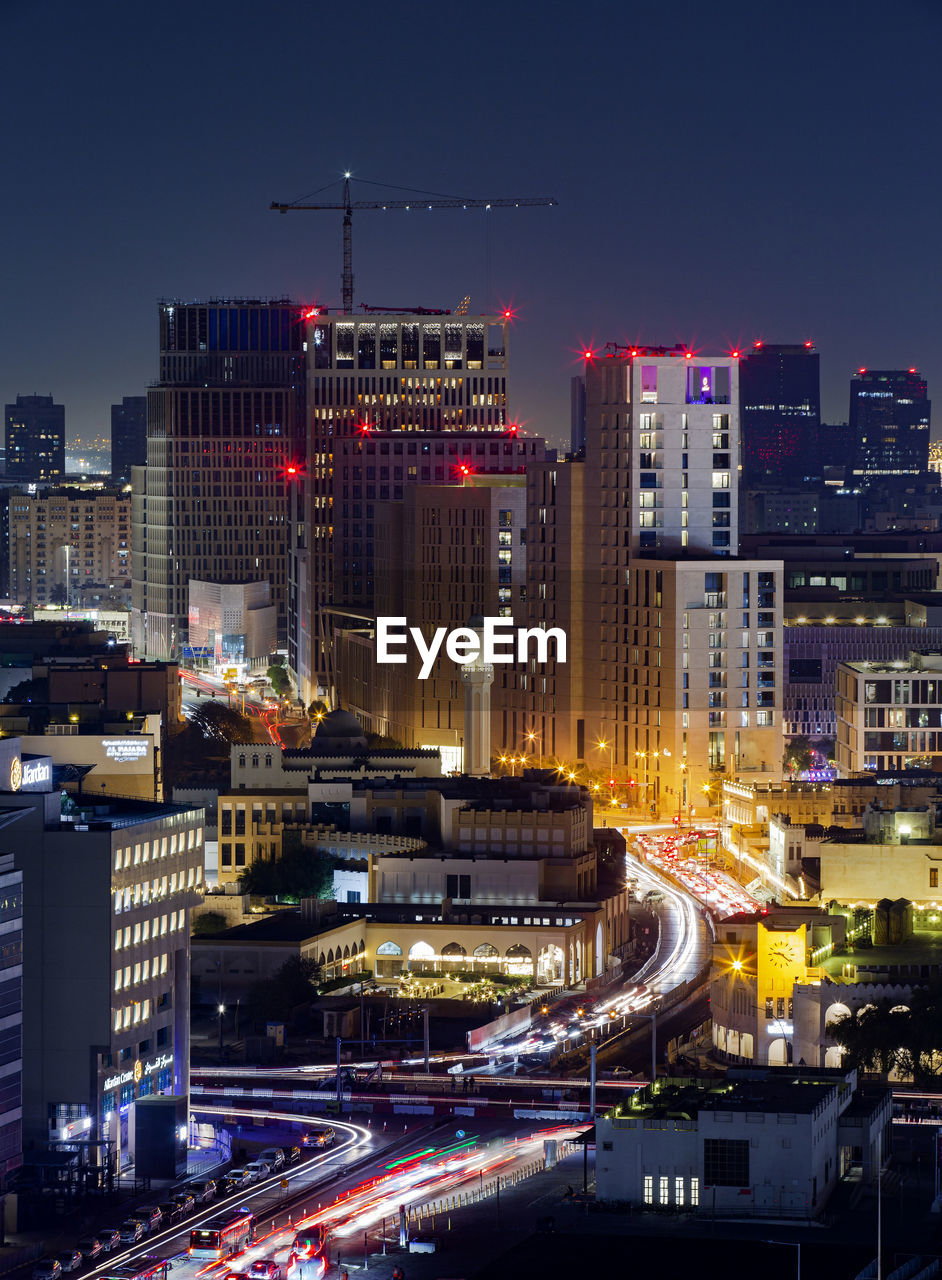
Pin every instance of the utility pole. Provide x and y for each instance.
(425, 1034)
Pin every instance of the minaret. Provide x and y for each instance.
(477, 678)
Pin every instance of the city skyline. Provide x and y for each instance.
(732, 207)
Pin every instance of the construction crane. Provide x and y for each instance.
(423, 202)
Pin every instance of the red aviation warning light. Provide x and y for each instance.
(809, 344)
(364, 428)
(688, 355)
(312, 313)
(513, 428)
(734, 354)
(611, 782)
(293, 470)
(861, 371)
(508, 313)
(588, 355)
(465, 469)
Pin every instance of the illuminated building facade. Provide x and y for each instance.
(394, 400)
(889, 715)
(444, 554)
(756, 962)
(658, 482)
(225, 426)
(105, 955)
(780, 406)
(63, 541)
(766, 1144)
(128, 437)
(35, 439)
(889, 423)
(11, 1021)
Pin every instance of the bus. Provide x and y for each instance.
(223, 1236)
(142, 1268)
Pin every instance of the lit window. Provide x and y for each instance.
(648, 1189)
(678, 1191)
(694, 1192)
(117, 980)
(663, 1189)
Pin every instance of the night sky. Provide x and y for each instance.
(725, 171)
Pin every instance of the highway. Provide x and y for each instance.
(451, 1165)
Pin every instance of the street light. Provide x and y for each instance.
(221, 1009)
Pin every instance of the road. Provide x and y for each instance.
(269, 721)
(364, 1206)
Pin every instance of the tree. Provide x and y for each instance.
(799, 755)
(290, 986)
(279, 678)
(58, 594)
(298, 873)
(31, 690)
(220, 725)
(382, 742)
(209, 922)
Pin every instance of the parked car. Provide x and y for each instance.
(325, 1138)
(47, 1269)
(172, 1212)
(109, 1238)
(266, 1269)
(274, 1157)
(238, 1178)
(292, 1154)
(91, 1247)
(258, 1169)
(204, 1192)
(185, 1199)
(151, 1217)
(70, 1259)
(132, 1231)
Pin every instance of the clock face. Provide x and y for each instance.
(781, 955)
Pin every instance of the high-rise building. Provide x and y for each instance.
(444, 554)
(889, 423)
(35, 439)
(63, 541)
(128, 437)
(394, 400)
(225, 433)
(106, 981)
(11, 1016)
(780, 413)
(632, 552)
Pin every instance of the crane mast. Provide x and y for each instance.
(348, 205)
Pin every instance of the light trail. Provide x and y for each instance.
(358, 1138)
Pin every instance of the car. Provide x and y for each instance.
(204, 1192)
(292, 1154)
(258, 1170)
(91, 1247)
(266, 1269)
(325, 1138)
(47, 1269)
(172, 1212)
(238, 1178)
(70, 1259)
(185, 1199)
(274, 1157)
(132, 1231)
(151, 1217)
(109, 1238)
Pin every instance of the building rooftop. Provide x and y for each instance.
(119, 813)
(788, 1090)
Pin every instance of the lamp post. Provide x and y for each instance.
(220, 1009)
(532, 737)
(610, 748)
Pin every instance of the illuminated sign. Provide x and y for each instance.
(137, 1072)
(497, 641)
(125, 750)
(16, 773)
(34, 773)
